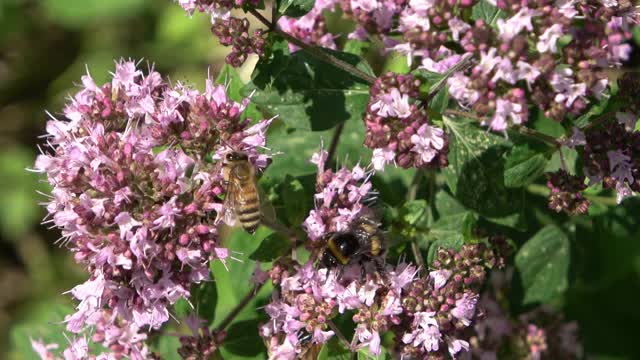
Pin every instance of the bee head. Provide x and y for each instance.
(236, 156)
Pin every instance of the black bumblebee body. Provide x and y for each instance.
(363, 242)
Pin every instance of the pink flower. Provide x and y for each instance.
(440, 277)
(381, 157)
(426, 334)
(427, 142)
(392, 104)
(456, 346)
(548, 40)
(515, 24)
(465, 308)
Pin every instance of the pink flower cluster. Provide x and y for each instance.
(230, 30)
(398, 129)
(340, 197)
(545, 53)
(137, 193)
(538, 334)
(429, 314)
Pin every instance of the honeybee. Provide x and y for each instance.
(309, 351)
(242, 199)
(363, 242)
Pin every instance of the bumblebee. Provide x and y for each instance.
(363, 242)
(242, 201)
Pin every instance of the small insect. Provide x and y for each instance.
(363, 242)
(242, 200)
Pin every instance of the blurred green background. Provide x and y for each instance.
(45, 47)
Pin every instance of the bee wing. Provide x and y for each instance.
(311, 353)
(230, 202)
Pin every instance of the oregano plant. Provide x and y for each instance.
(427, 208)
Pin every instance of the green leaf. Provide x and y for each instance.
(484, 10)
(272, 247)
(67, 12)
(447, 205)
(205, 299)
(475, 173)
(595, 110)
(309, 93)
(523, 167)
(454, 225)
(440, 102)
(228, 276)
(365, 354)
(357, 47)
(415, 213)
(295, 8)
(167, 347)
(297, 194)
(243, 339)
(543, 264)
(298, 144)
(636, 34)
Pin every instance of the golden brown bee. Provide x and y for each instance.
(361, 243)
(242, 199)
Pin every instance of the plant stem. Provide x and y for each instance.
(334, 142)
(413, 191)
(341, 337)
(236, 310)
(315, 51)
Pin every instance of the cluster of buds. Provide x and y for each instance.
(397, 127)
(430, 315)
(538, 334)
(138, 190)
(231, 31)
(566, 193)
(340, 198)
(202, 343)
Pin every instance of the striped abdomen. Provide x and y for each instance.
(247, 206)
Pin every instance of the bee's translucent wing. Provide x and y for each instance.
(230, 202)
